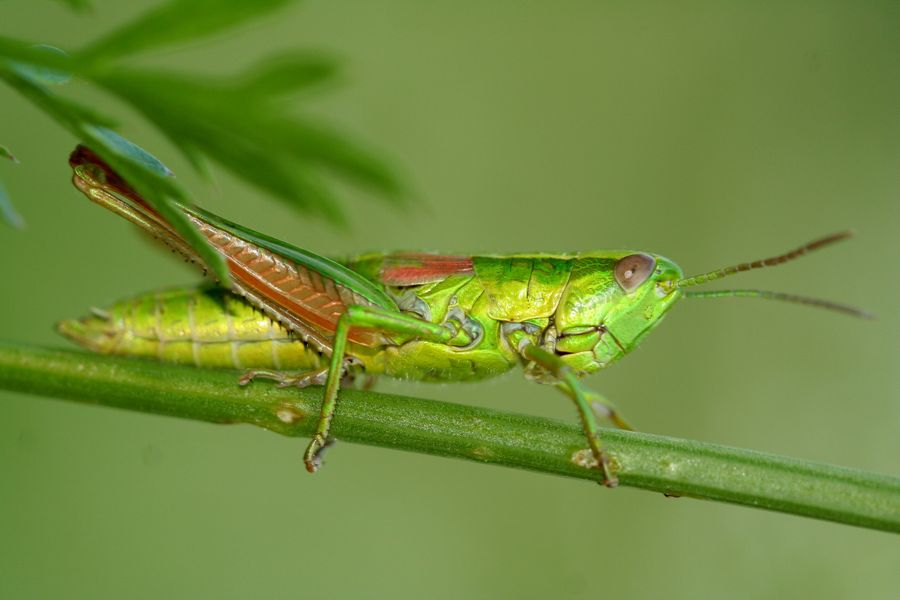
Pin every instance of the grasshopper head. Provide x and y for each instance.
(612, 301)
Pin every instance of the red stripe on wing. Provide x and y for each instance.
(416, 269)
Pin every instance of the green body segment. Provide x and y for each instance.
(205, 327)
(522, 288)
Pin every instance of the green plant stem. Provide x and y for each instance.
(671, 466)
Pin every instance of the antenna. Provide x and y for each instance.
(766, 262)
(767, 295)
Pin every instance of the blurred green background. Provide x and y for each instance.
(709, 132)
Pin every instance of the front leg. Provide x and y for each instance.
(554, 364)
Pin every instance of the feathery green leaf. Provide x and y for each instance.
(253, 134)
(259, 142)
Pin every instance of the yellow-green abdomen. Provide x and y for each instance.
(207, 327)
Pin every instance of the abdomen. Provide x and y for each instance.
(205, 327)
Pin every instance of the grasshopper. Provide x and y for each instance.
(303, 319)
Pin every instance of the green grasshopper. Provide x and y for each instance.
(302, 319)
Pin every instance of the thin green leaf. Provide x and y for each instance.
(133, 152)
(83, 114)
(39, 71)
(196, 159)
(313, 141)
(174, 22)
(64, 112)
(80, 6)
(67, 112)
(5, 153)
(288, 73)
(8, 212)
(295, 185)
(26, 52)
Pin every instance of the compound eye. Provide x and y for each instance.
(633, 270)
